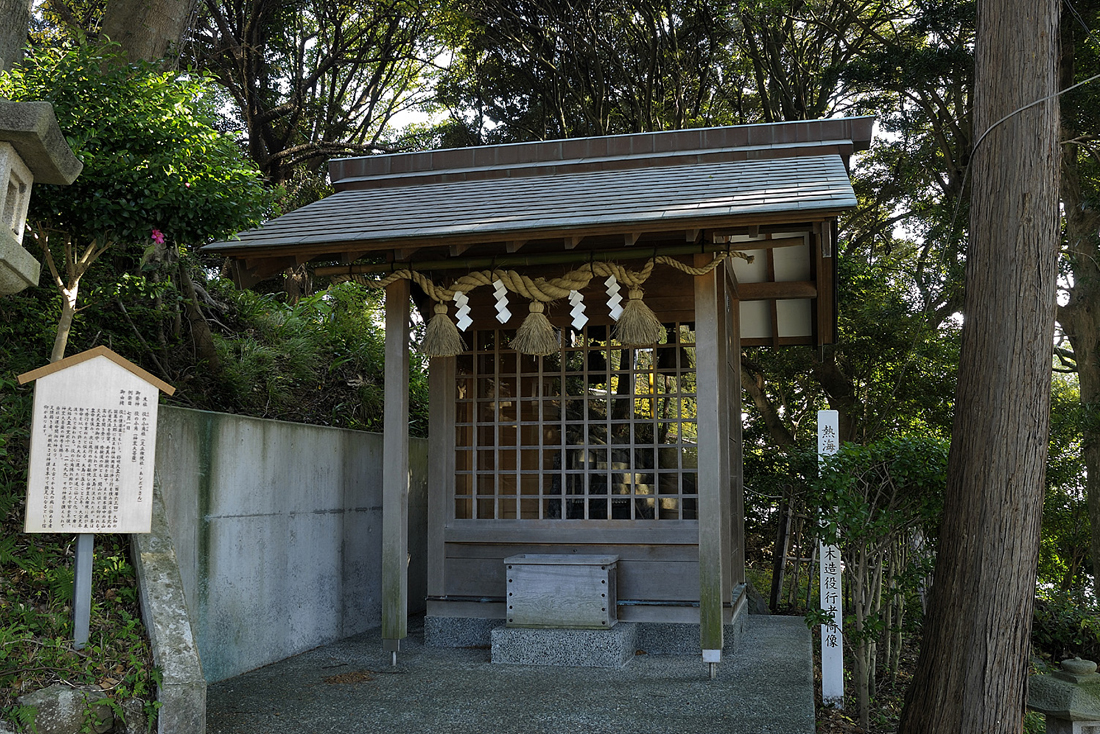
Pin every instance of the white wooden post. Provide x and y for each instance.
(832, 598)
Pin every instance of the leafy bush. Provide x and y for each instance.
(881, 503)
(320, 360)
(152, 155)
(1067, 624)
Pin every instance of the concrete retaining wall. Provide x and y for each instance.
(277, 532)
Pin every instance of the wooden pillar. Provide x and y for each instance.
(735, 457)
(395, 471)
(713, 478)
(441, 466)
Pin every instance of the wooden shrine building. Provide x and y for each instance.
(593, 446)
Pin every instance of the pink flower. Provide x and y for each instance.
(158, 236)
(187, 185)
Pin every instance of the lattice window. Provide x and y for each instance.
(597, 432)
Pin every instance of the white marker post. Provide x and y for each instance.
(832, 600)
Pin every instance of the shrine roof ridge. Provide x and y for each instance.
(549, 157)
(100, 351)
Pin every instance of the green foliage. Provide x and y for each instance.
(330, 76)
(1067, 624)
(535, 70)
(152, 157)
(1063, 547)
(24, 717)
(867, 494)
(1034, 723)
(320, 360)
(881, 504)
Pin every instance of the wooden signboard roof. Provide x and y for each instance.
(92, 353)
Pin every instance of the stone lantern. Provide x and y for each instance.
(32, 150)
(1070, 698)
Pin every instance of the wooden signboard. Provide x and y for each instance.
(93, 438)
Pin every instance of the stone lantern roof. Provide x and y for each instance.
(32, 149)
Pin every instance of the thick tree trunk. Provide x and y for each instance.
(972, 673)
(16, 18)
(147, 29)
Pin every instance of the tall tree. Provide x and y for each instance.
(972, 671)
(1080, 316)
(15, 17)
(910, 65)
(312, 79)
(155, 170)
(148, 30)
(539, 69)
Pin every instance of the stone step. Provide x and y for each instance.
(609, 648)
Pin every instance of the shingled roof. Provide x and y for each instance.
(584, 193)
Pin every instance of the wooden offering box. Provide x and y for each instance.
(561, 591)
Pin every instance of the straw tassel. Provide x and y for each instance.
(638, 326)
(441, 337)
(535, 335)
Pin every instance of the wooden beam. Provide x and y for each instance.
(550, 258)
(692, 235)
(572, 241)
(514, 245)
(768, 244)
(404, 253)
(457, 250)
(734, 289)
(825, 305)
(772, 307)
(242, 275)
(395, 470)
(630, 238)
(754, 230)
(712, 475)
(267, 267)
(782, 290)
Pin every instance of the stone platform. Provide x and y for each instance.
(518, 647)
(610, 648)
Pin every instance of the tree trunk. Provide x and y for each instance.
(859, 597)
(200, 330)
(147, 29)
(972, 672)
(65, 323)
(1080, 317)
(16, 15)
(779, 555)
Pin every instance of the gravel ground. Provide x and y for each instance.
(349, 686)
